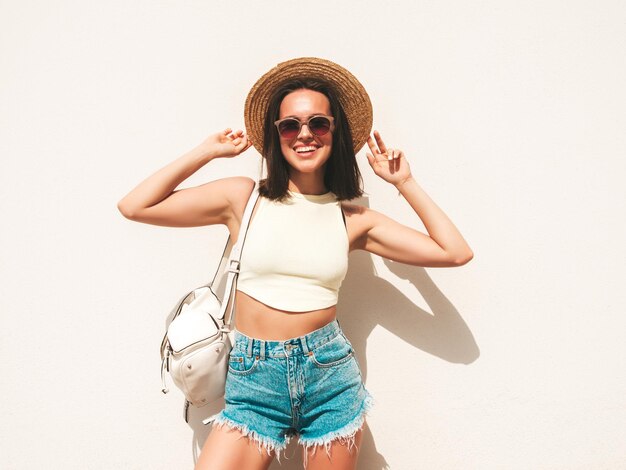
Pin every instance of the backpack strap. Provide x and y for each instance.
(235, 258)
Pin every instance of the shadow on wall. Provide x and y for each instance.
(367, 301)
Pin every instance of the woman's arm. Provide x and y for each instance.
(443, 246)
(154, 200)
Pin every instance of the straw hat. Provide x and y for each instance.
(352, 96)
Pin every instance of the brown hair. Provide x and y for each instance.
(342, 175)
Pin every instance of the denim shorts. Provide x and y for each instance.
(309, 386)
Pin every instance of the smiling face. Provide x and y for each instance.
(307, 152)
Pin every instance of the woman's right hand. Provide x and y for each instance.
(157, 201)
(226, 144)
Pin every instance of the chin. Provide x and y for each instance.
(307, 167)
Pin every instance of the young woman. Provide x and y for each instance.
(292, 371)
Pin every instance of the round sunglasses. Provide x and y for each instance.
(319, 125)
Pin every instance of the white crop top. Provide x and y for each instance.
(295, 254)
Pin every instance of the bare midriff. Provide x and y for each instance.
(258, 320)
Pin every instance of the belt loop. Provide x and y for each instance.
(262, 350)
(250, 344)
(305, 347)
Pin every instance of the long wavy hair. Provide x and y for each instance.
(341, 176)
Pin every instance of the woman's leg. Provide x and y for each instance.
(228, 449)
(332, 417)
(342, 456)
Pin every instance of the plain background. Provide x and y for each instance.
(511, 114)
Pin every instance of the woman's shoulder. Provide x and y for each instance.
(356, 211)
(356, 215)
(361, 217)
(238, 189)
(238, 183)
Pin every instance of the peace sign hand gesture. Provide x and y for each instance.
(390, 164)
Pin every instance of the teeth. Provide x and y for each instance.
(305, 149)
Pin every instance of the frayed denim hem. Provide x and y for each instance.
(345, 435)
(262, 442)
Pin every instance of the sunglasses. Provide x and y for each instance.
(289, 128)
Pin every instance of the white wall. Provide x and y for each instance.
(512, 116)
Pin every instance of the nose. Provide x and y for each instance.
(305, 135)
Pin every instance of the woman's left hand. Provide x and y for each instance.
(390, 164)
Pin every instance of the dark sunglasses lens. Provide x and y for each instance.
(319, 125)
(289, 128)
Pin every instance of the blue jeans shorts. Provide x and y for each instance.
(309, 386)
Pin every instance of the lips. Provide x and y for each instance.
(305, 150)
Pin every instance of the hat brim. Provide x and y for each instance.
(351, 94)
